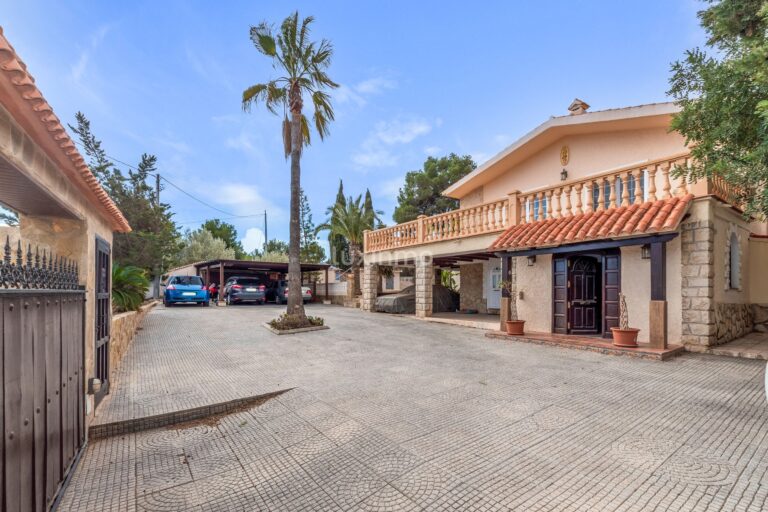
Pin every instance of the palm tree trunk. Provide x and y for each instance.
(354, 250)
(295, 302)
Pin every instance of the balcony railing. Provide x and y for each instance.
(638, 183)
(649, 181)
(475, 220)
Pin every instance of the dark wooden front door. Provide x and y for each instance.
(584, 297)
(103, 316)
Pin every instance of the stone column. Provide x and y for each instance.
(698, 283)
(370, 287)
(424, 280)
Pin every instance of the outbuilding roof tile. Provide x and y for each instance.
(639, 219)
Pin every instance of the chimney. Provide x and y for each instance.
(577, 107)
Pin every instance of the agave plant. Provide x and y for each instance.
(129, 286)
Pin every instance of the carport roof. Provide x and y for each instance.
(256, 266)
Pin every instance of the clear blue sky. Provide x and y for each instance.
(418, 79)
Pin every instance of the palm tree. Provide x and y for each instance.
(350, 219)
(302, 65)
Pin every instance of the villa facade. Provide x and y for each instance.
(585, 207)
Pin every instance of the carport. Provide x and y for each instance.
(218, 271)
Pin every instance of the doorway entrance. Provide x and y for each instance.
(584, 285)
(585, 293)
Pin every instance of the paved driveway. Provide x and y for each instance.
(392, 413)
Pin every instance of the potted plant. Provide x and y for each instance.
(624, 335)
(514, 326)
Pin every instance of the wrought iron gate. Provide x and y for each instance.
(42, 345)
(103, 322)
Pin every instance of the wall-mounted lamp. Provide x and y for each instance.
(531, 260)
(563, 175)
(645, 252)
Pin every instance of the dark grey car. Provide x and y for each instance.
(244, 289)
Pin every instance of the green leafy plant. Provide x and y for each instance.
(287, 321)
(448, 280)
(129, 286)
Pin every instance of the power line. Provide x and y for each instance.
(223, 218)
(158, 175)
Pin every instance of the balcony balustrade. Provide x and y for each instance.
(646, 182)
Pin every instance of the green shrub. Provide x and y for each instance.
(129, 286)
(285, 322)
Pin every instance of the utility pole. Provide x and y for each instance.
(266, 238)
(156, 284)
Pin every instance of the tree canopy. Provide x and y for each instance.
(311, 251)
(724, 99)
(422, 192)
(201, 245)
(339, 247)
(153, 241)
(227, 232)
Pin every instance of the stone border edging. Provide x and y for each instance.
(294, 331)
(163, 420)
(613, 351)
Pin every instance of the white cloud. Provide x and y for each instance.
(243, 141)
(246, 200)
(375, 150)
(253, 239)
(401, 132)
(344, 94)
(77, 71)
(358, 93)
(432, 150)
(375, 85)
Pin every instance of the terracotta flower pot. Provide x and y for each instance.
(625, 337)
(515, 327)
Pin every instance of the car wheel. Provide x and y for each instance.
(205, 304)
(167, 304)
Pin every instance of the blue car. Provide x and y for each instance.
(180, 289)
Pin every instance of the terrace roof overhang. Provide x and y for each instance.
(593, 245)
(259, 266)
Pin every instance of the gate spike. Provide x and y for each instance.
(19, 254)
(29, 255)
(37, 256)
(7, 250)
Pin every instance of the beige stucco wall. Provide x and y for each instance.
(473, 198)
(636, 286)
(451, 247)
(725, 219)
(589, 154)
(71, 238)
(758, 270)
(536, 284)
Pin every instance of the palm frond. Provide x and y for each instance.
(305, 134)
(251, 95)
(286, 137)
(262, 38)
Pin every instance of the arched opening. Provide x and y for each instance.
(734, 263)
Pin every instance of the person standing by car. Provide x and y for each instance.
(213, 290)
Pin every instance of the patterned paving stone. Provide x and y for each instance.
(159, 471)
(387, 413)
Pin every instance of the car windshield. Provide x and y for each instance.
(187, 280)
(248, 282)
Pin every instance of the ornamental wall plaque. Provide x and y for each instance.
(565, 155)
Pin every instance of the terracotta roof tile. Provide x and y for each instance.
(11, 64)
(635, 220)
